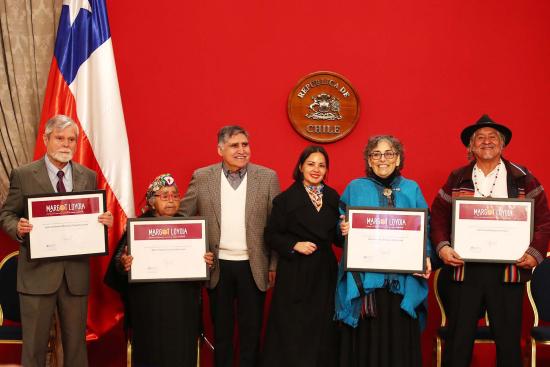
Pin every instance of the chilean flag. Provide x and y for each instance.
(83, 84)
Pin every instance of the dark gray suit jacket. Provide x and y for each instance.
(203, 198)
(44, 276)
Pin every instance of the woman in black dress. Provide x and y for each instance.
(164, 317)
(302, 228)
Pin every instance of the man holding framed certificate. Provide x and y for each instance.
(491, 224)
(45, 284)
(235, 197)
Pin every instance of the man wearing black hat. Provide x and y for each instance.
(494, 287)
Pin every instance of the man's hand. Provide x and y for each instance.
(271, 275)
(344, 226)
(526, 261)
(209, 259)
(126, 260)
(450, 256)
(106, 219)
(23, 227)
(305, 247)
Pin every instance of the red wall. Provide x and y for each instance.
(423, 71)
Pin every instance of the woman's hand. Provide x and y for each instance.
(305, 247)
(209, 259)
(271, 277)
(344, 226)
(126, 260)
(428, 272)
(106, 219)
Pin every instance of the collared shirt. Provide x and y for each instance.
(234, 178)
(493, 185)
(52, 174)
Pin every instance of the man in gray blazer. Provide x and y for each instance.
(44, 285)
(235, 197)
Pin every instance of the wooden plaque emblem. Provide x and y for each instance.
(323, 107)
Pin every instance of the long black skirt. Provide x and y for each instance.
(301, 331)
(391, 339)
(165, 324)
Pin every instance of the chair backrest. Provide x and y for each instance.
(540, 291)
(442, 279)
(9, 298)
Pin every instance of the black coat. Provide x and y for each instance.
(164, 316)
(301, 331)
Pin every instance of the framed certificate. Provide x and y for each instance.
(389, 240)
(492, 230)
(65, 225)
(167, 249)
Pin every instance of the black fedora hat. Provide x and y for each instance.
(485, 121)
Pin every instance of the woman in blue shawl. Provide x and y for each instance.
(382, 313)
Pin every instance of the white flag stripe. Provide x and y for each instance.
(99, 109)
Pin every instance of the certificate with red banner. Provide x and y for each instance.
(391, 240)
(66, 225)
(167, 249)
(492, 230)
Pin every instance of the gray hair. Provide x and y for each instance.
(228, 131)
(471, 155)
(373, 143)
(59, 122)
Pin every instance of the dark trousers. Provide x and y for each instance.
(482, 289)
(36, 319)
(236, 291)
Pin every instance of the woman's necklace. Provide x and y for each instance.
(492, 187)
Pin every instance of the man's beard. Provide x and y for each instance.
(63, 156)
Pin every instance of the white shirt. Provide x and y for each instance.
(493, 185)
(52, 174)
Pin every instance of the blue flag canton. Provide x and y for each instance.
(75, 43)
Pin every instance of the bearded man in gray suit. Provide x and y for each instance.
(236, 198)
(44, 285)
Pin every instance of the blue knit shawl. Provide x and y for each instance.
(368, 192)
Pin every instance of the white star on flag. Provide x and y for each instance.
(75, 6)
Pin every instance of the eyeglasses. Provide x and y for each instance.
(168, 196)
(377, 155)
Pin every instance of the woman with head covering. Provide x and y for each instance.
(164, 317)
(381, 323)
(301, 229)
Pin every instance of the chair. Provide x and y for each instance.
(9, 301)
(202, 338)
(11, 333)
(442, 277)
(539, 297)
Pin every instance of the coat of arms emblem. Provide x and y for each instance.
(324, 107)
